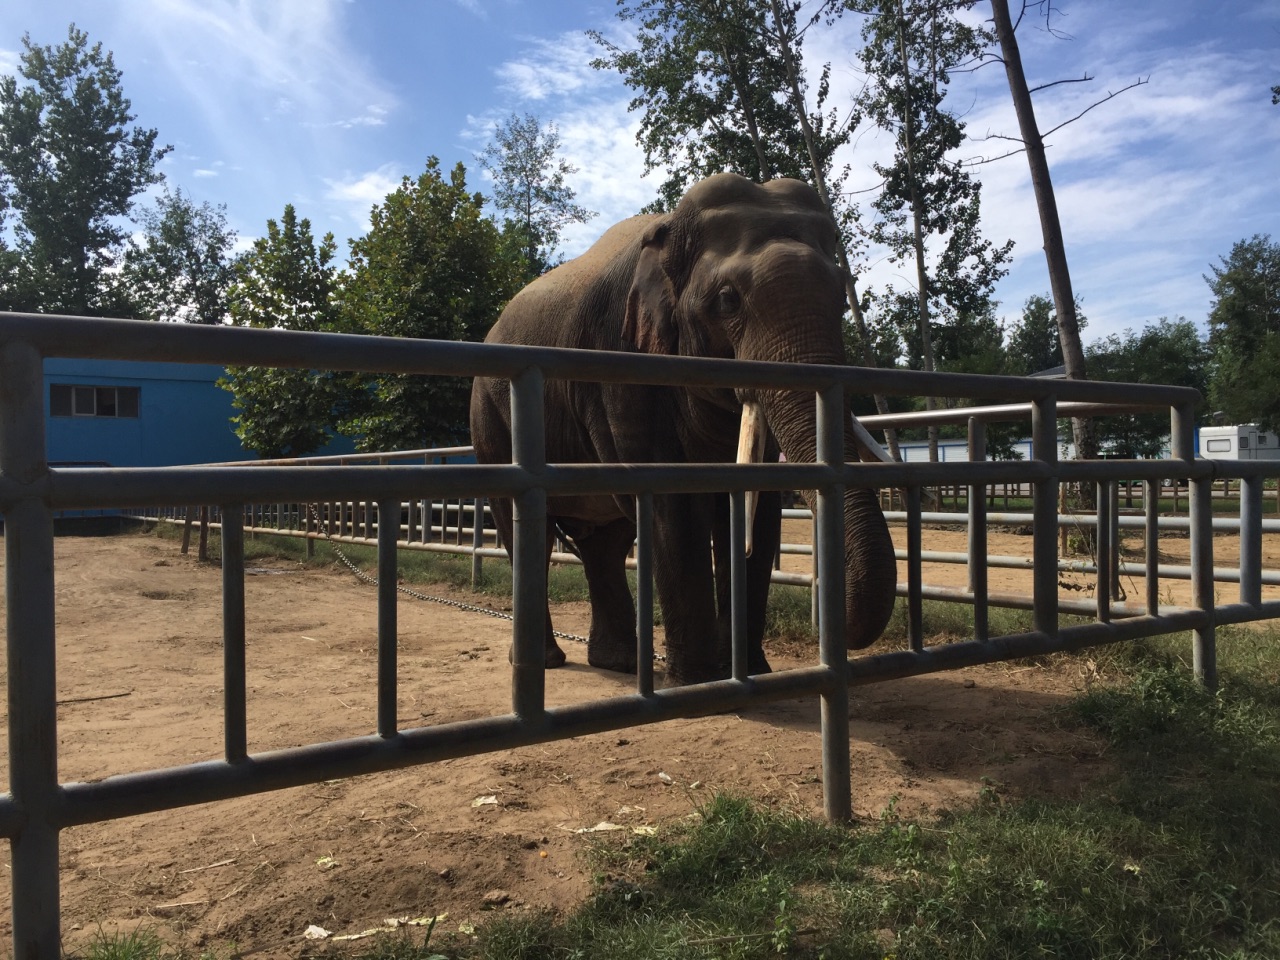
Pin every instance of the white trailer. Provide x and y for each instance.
(1246, 441)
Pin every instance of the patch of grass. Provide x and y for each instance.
(952, 622)
(413, 566)
(789, 615)
(1177, 854)
(139, 944)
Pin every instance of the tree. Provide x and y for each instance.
(530, 186)
(12, 296)
(1244, 333)
(432, 266)
(1169, 351)
(285, 282)
(183, 267)
(711, 90)
(721, 86)
(71, 168)
(911, 48)
(1034, 344)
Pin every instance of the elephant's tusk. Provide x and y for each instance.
(751, 440)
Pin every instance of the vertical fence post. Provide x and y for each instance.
(915, 575)
(1151, 544)
(1044, 550)
(310, 526)
(235, 733)
(1200, 507)
(1102, 587)
(388, 542)
(1115, 540)
(477, 541)
(32, 659)
(528, 556)
(1251, 540)
(978, 533)
(738, 583)
(836, 784)
(644, 594)
(813, 573)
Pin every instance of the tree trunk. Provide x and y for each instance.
(1051, 227)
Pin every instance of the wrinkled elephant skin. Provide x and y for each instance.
(737, 270)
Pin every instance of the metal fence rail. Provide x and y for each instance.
(39, 806)
(456, 533)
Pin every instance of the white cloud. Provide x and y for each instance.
(473, 7)
(553, 79)
(610, 180)
(552, 68)
(204, 172)
(373, 116)
(358, 194)
(1151, 186)
(231, 57)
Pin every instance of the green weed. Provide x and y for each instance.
(1177, 854)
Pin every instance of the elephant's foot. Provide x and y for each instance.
(612, 655)
(552, 657)
(756, 664)
(682, 673)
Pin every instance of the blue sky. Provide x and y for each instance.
(326, 104)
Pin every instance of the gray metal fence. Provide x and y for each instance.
(38, 806)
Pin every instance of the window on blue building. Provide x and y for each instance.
(76, 400)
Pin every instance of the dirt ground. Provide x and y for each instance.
(139, 682)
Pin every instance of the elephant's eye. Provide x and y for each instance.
(728, 303)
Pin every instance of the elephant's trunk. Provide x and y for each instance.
(871, 571)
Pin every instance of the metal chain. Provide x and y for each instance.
(446, 601)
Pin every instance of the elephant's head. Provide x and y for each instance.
(748, 271)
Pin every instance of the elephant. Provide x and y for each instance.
(738, 270)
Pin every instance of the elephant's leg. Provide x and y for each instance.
(685, 586)
(766, 533)
(612, 643)
(503, 520)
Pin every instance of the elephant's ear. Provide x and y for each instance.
(650, 324)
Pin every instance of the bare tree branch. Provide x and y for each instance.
(997, 136)
(1137, 83)
(979, 161)
(1096, 103)
(1045, 86)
